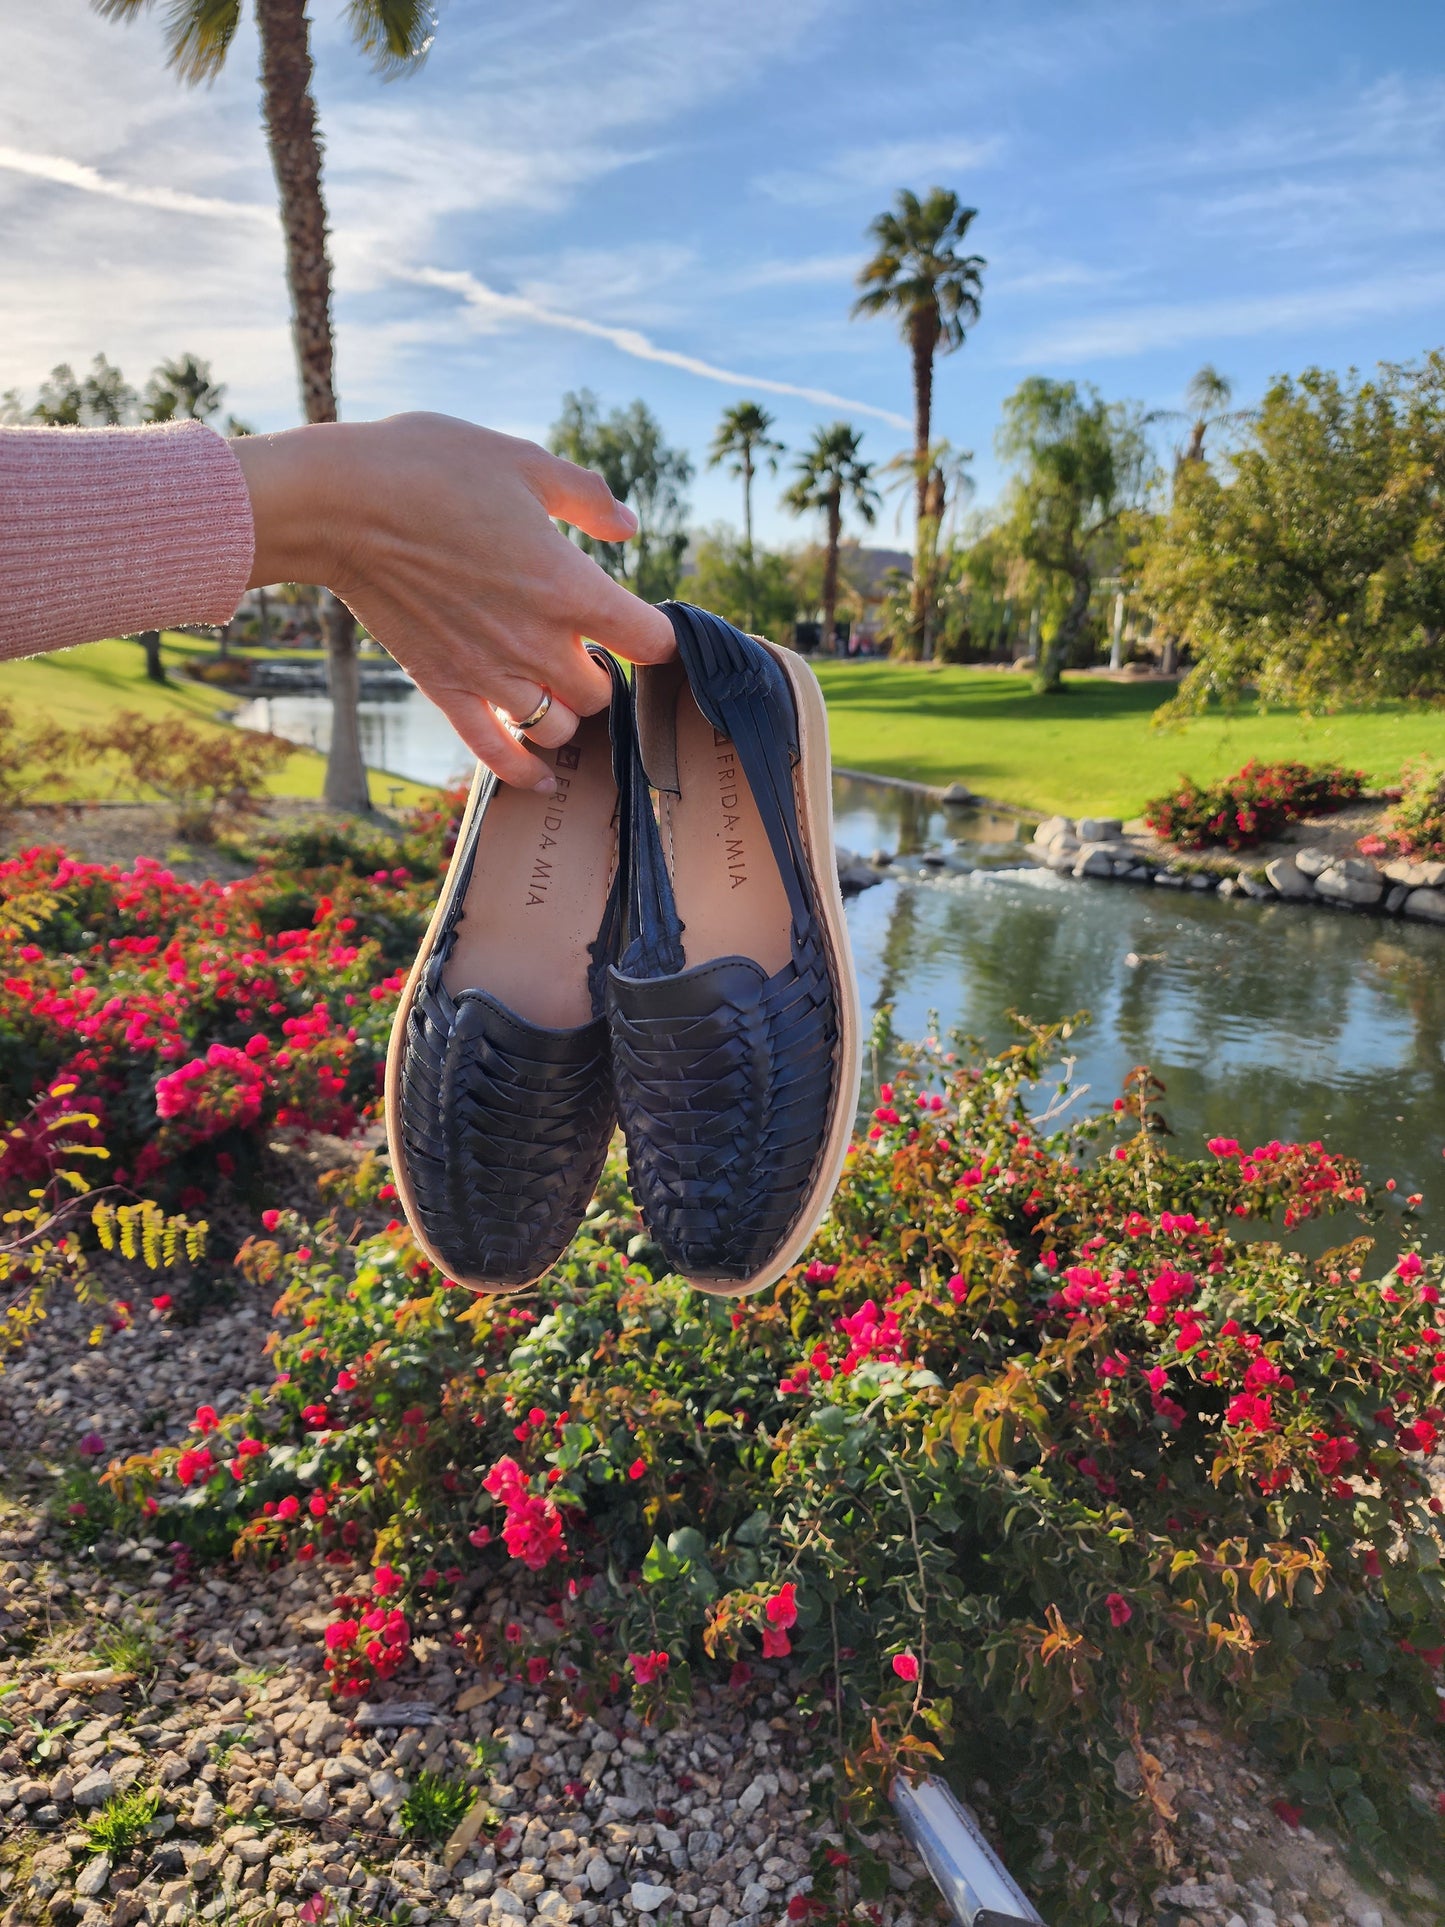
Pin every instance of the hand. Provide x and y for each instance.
(438, 536)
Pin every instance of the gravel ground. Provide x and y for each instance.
(269, 1795)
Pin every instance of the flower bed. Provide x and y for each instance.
(1031, 1446)
(1252, 806)
(1416, 829)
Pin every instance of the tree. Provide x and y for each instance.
(918, 274)
(1206, 406)
(629, 451)
(182, 390)
(830, 475)
(1313, 570)
(101, 399)
(1081, 463)
(394, 35)
(743, 442)
(754, 588)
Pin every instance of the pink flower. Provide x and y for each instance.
(1120, 1611)
(1224, 1147)
(270, 1219)
(385, 1581)
(341, 1632)
(1410, 1266)
(205, 1419)
(316, 1505)
(289, 1507)
(905, 1665)
(776, 1644)
(647, 1666)
(314, 1416)
(782, 1608)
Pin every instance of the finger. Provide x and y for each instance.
(579, 496)
(605, 612)
(492, 743)
(555, 727)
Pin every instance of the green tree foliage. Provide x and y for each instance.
(832, 475)
(754, 588)
(1313, 570)
(1080, 464)
(918, 274)
(630, 453)
(182, 388)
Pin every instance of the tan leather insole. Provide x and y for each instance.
(538, 886)
(724, 875)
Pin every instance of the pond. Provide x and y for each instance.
(1262, 1020)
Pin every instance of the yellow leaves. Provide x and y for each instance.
(982, 1417)
(1061, 1641)
(144, 1231)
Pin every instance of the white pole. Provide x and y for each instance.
(1116, 646)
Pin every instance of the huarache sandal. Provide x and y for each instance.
(499, 1097)
(736, 1039)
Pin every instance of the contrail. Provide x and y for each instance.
(64, 173)
(630, 341)
(476, 294)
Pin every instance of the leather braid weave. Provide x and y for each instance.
(725, 1077)
(503, 1125)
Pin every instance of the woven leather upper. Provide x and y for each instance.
(725, 1076)
(504, 1124)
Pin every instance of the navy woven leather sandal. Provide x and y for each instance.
(736, 1040)
(499, 1096)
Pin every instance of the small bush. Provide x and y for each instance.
(207, 774)
(434, 1808)
(1252, 806)
(1416, 828)
(32, 761)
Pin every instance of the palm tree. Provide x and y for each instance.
(742, 440)
(830, 474)
(1206, 405)
(918, 274)
(394, 35)
(182, 389)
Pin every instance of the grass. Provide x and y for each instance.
(123, 1820)
(86, 686)
(1092, 749)
(129, 1649)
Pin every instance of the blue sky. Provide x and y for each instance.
(566, 190)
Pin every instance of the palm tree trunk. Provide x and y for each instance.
(923, 341)
(748, 504)
(150, 641)
(830, 571)
(290, 115)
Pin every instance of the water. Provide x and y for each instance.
(1261, 1020)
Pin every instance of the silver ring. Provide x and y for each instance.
(531, 722)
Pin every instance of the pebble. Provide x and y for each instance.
(93, 1878)
(647, 1898)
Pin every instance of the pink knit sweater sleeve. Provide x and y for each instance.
(104, 531)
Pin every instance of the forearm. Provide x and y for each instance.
(106, 531)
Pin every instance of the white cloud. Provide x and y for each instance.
(61, 172)
(495, 310)
(1137, 330)
(877, 167)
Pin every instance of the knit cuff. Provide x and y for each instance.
(104, 531)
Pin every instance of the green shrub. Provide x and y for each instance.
(1417, 822)
(1030, 1450)
(122, 1822)
(434, 1808)
(1251, 806)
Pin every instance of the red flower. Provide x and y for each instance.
(776, 1644)
(270, 1219)
(782, 1608)
(1282, 1810)
(386, 1580)
(905, 1664)
(647, 1666)
(637, 1468)
(1120, 1611)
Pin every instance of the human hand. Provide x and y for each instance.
(438, 536)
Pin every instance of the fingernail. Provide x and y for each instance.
(547, 786)
(628, 515)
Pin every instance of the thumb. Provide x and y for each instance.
(579, 496)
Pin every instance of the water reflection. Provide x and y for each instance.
(1262, 1021)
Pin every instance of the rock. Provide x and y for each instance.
(506, 1906)
(553, 1908)
(316, 1804)
(956, 793)
(752, 1797)
(1229, 887)
(1099, 829)
(1310, 861)
(646, 1898)
(1049, 831)
(1426, 904)
(1415, 876)
(1340, 884)
(93, 1880)
(1252, 887)
(1171, 880)
(1395, 900)
(204, 1812)
(1094, 860)
(397, 1713)
(93, 1791)
(1288, 878)
(853, 875)
(598, 1874)
(935, 859)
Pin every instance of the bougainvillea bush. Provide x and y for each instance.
(1252, 806)
(1416, 825)
(1043, 1436)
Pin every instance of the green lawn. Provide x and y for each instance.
(1091, 749)
(80, 687)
